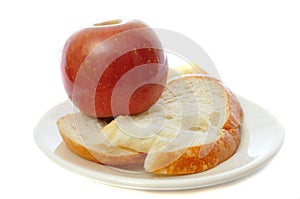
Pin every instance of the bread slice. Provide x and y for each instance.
(184, 70)
(193, 127)
(82, 135)
(203, 155)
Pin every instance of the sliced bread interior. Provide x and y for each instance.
(185, 129)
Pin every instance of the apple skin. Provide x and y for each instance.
(96, 58)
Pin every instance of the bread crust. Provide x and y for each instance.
(235, 111)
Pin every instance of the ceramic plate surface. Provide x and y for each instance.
(261, 138)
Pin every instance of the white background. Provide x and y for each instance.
(254, 44)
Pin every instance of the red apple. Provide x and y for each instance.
(114, 68)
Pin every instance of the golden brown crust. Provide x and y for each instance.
(235, 111)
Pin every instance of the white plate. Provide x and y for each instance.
(262, 137)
